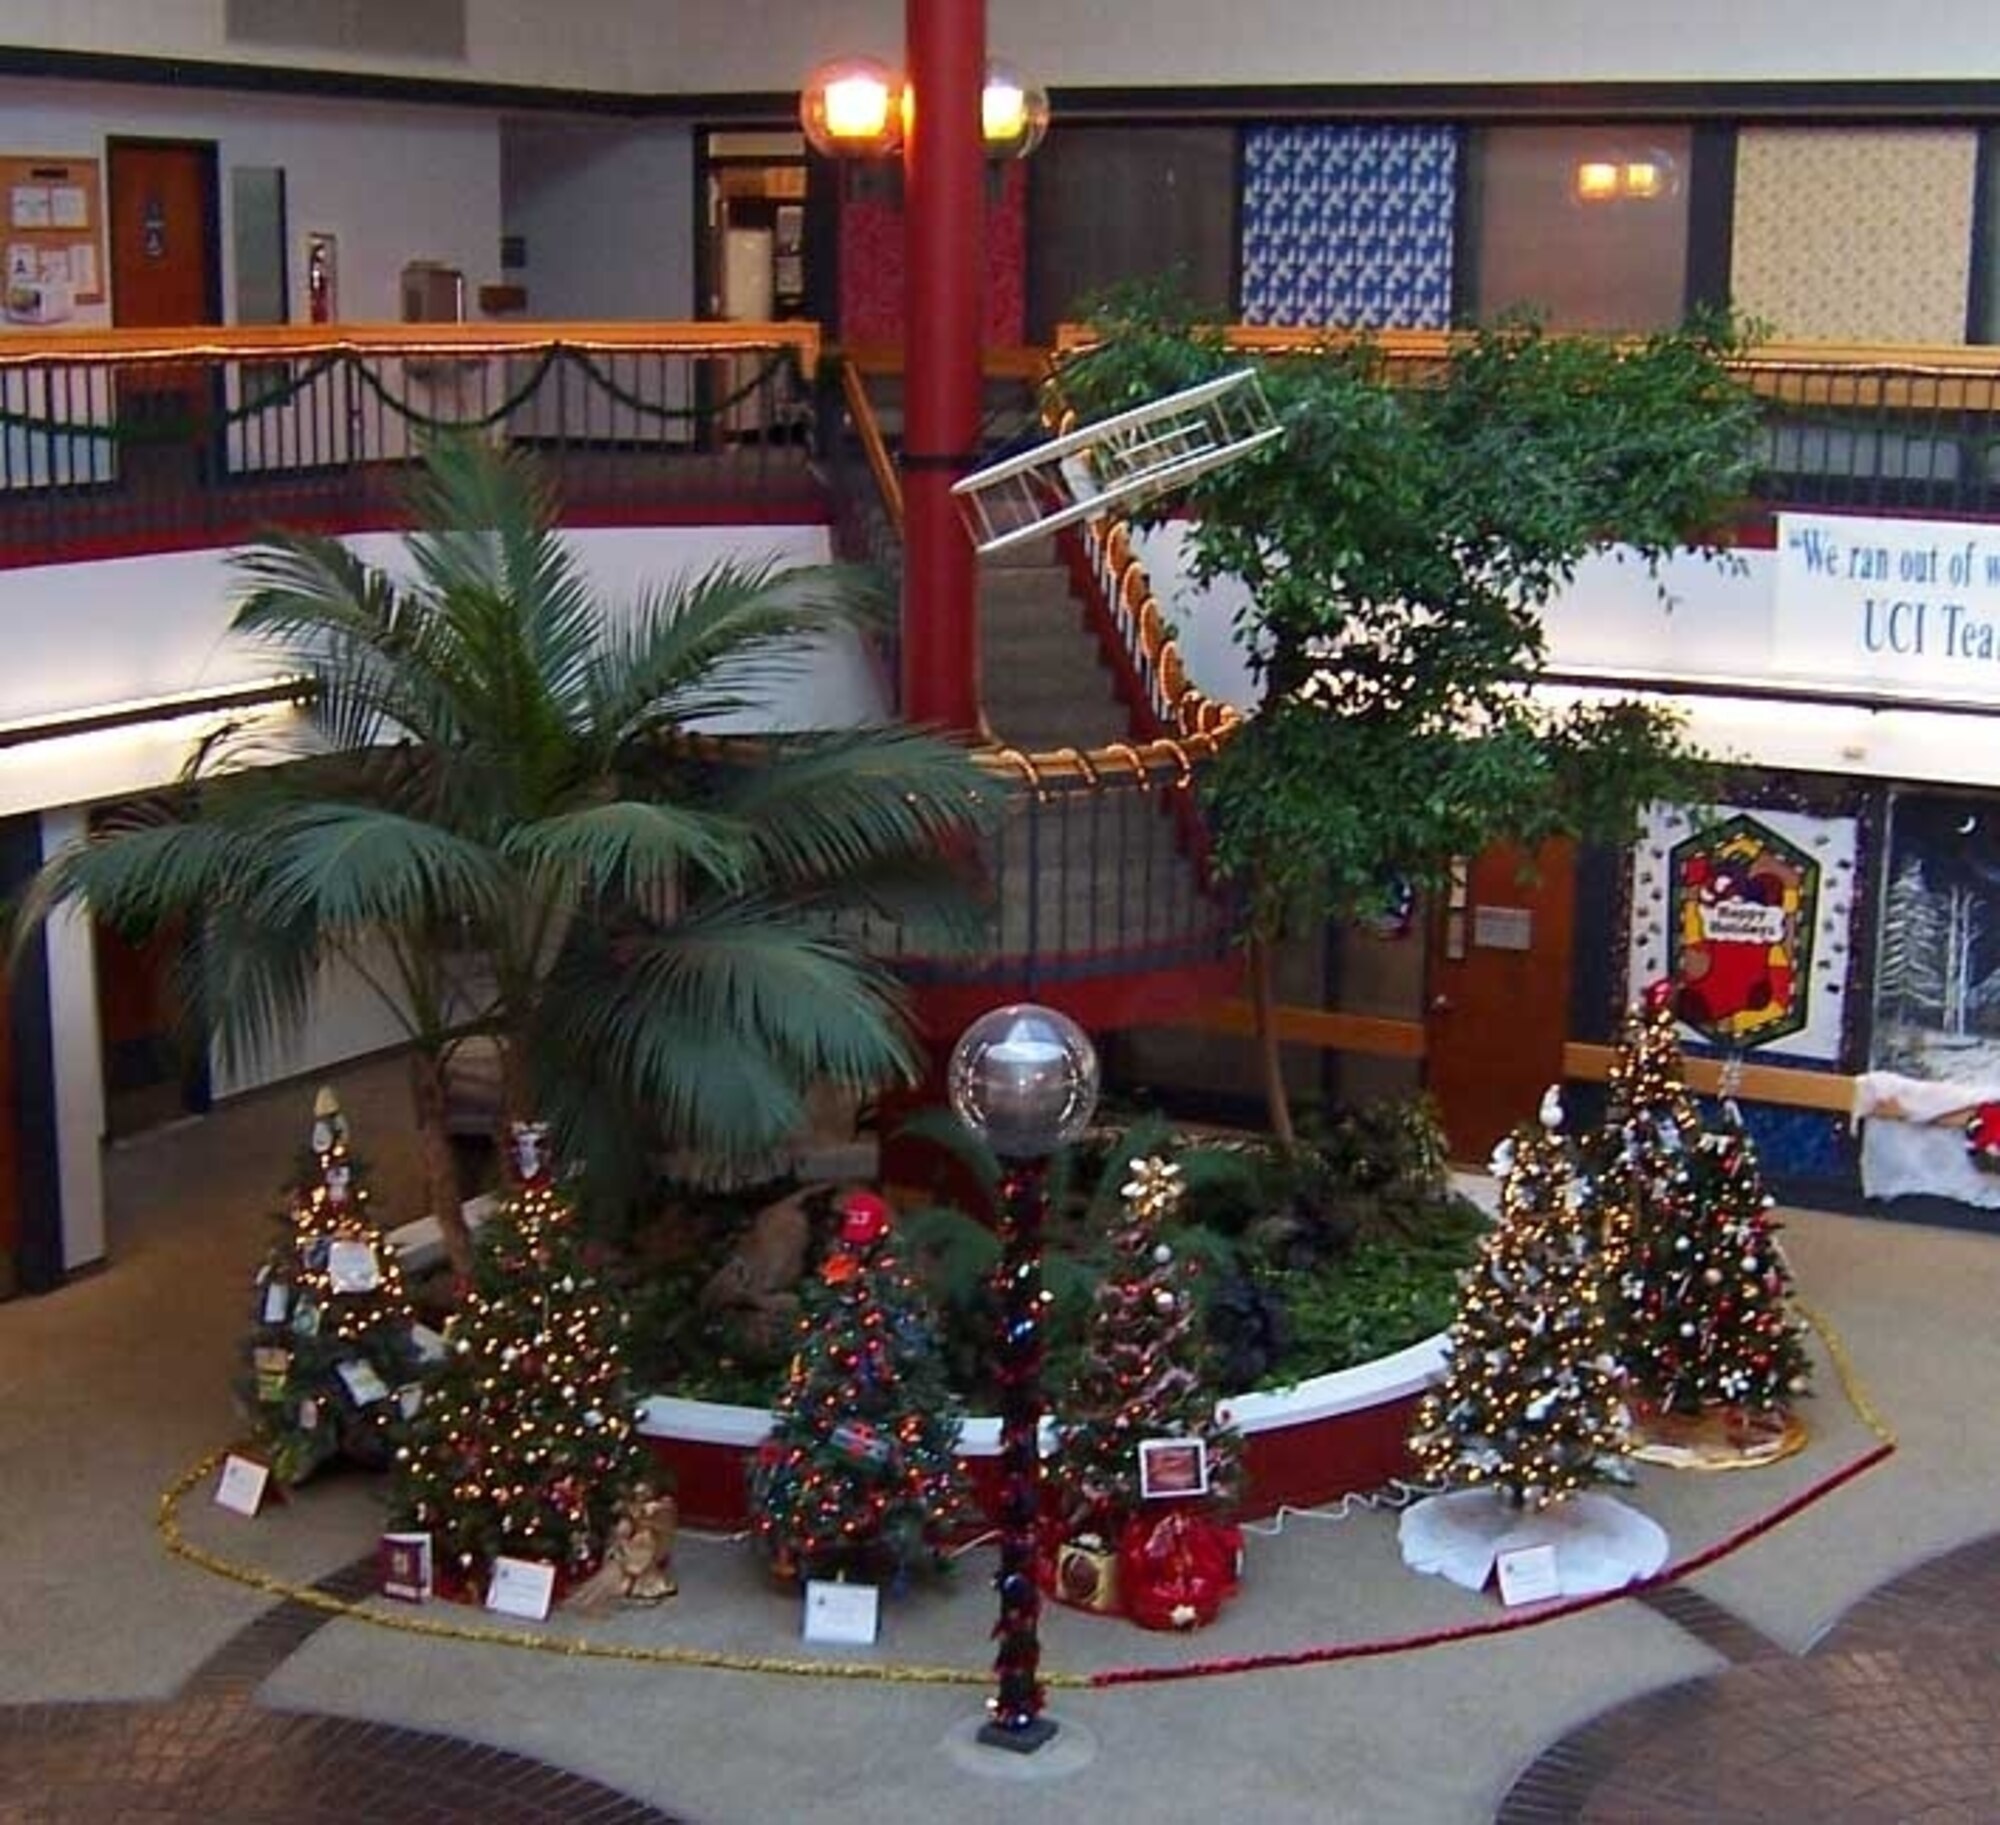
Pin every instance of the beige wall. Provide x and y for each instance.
(704, 45)
(1854, 234)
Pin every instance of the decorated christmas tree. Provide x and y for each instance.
(330, 1364)
(1532, 1401)
(1702, 1283)
(525, 1444)
(860, 1473)
(1142, 1377)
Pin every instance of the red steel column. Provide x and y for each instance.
(944, 207)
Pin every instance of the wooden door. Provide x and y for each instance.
(1498, 992)
(166, 273)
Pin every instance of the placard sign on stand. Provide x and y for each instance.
(521, 1587)
(1527, 1574)
(846, 1613)
(242, 1483)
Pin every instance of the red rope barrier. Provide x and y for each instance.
(1528, 1618)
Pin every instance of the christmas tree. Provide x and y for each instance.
(330, 1361)
(1532, 1401)
(1703, 1285)
(525, 1445)
(861, 1469)
(1142, 1375)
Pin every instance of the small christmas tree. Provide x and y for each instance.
(861, 1468)
(1143, 1372)
(525, 1445)
(331, 1354)
(1532, 1400)
(1703, 1284)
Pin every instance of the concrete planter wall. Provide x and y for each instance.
(1309, 1444)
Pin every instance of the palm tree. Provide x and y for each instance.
(500, 815)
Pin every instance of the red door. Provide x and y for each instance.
(163, 221)
(1498, 980)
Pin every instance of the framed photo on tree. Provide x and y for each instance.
(1172, 1468)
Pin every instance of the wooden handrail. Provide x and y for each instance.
(861, 409)
(1024, 362)
(299, 339)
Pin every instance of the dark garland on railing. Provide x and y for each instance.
(648, 408)
(184, 428)
(510, 404)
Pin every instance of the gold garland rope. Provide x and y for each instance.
(572, 1647)
(581, 1648)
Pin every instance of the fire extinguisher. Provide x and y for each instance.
(319, 282)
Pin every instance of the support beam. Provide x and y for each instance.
(944, 213)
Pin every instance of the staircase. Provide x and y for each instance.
(1084, 867)
(1043, 683)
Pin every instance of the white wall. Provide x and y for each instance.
(607, 211)
(1716, 624)
(76, 1066)
(644, 46)
(394, 182)
(88, 636)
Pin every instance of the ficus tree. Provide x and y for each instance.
(497, 815)
(1396, 549)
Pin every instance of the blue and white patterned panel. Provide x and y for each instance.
(1349, 227)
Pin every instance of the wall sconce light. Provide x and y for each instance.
(855, 107)
(1596, 181)
(1640, 178)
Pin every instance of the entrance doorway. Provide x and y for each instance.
(1498, 992)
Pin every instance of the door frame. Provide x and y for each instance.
(211, 253)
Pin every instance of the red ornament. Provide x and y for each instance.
(1659, 995)
(864, 1219)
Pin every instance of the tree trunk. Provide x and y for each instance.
(440, 1166)
(1270, 1060)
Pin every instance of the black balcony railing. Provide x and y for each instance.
(121, 443)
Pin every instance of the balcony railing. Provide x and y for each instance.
(1873, 428)
(115, 442)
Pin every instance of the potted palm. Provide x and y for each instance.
(498, 814)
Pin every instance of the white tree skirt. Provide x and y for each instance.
(1600, 1544)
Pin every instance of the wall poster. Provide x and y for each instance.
(1935, 1062)
(54, 224)
(1748, 913)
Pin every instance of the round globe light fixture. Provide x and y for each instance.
(853, 107)
(1026, 1078)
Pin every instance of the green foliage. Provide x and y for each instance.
(495, 816)
(1382, 1297)
(1398, 546)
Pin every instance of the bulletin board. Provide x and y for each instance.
(52, 214)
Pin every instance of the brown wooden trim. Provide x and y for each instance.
(1323, 1027)
(1024, 362)
(300, 340)
(1794, 1089)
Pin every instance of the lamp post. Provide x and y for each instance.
(1024, 1077)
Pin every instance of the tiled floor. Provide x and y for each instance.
(212, 1754)
(1893, 1717)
